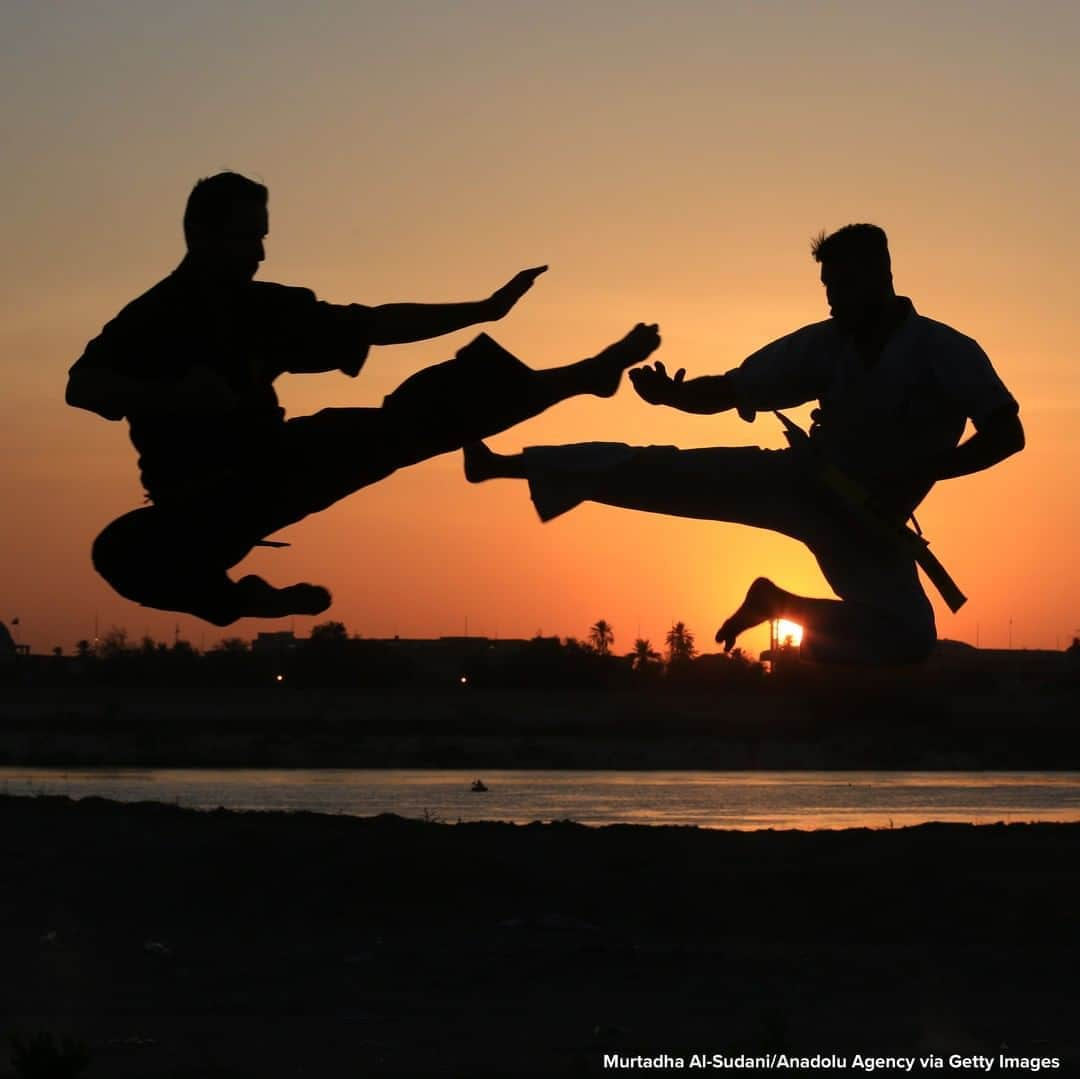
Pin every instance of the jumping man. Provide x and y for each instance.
(895, 391)
(191, 366)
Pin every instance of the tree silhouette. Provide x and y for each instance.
(601, 637)
(680, 644)
(329, 633)
(575, 647)
(114, 644)
(231, 646)
(644, 655)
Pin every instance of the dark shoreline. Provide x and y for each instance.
(868, 727)
(209, 944)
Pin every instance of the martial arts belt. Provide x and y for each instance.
(856, 500)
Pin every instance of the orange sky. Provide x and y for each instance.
(670, 161)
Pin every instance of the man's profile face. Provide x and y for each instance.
(855, 291)
(234, 251)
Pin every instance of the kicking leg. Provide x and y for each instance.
(744, 485)
(883, 615)
(485, 390)
(600, 374)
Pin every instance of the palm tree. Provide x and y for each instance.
(601, 636)
(680, 644)
(643, 655)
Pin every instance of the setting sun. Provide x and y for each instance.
(788, 632)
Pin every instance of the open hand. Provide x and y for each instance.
(654, 384)
(503, 299)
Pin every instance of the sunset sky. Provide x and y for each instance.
(670, 161)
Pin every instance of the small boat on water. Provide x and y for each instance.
(478, 786)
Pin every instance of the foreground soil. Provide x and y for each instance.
(172, 942)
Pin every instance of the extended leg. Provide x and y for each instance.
(883, 615)
(741, 484)
(485, 390)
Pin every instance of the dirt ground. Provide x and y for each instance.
(171, 942)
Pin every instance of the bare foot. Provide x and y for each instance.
(760, 604)
(261, 600)
(479, 462)
(305, 598)
(606, 367)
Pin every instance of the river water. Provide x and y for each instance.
(737, 800)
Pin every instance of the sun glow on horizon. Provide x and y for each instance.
(788, 632)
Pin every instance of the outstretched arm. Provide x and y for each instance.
(398, 323)
(705, 395)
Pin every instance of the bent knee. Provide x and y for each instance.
(140, 557)
(119, 551)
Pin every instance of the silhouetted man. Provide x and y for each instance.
(895, 391)
(191, 365)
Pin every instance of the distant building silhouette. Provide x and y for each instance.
(1018, 663)
(9, 650)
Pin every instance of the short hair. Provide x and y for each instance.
(213, 197)
(862, 243)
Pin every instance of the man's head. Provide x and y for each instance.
(856, 272)
(225, 223)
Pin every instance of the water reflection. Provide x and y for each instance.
(737, 800)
